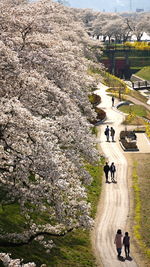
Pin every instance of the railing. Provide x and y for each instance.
(139, 85)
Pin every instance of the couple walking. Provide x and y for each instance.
(125, 242)
(112, 170)
(109, 132)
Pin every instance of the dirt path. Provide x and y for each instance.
(115, 201)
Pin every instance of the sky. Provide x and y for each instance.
(111, 5)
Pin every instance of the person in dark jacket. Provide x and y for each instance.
(107, 133)
(113, 100)
(112, 133)
(126, 243)
(106, 171)
(112, 171)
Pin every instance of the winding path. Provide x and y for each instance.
(115, 196)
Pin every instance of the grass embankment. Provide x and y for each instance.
(74, 249)
(112, 81)
(141, 189)
(119, 89)
(144, 73)
(135, 111)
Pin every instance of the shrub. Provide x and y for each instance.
(94, 99)
(138, 45)
(101, 114)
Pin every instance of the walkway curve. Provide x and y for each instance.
(115, 195)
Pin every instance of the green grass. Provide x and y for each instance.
(94, 130)
(135, 114)
(138, 110)
(141, 187)
(94, 190)
(10, 219)
(144, 73)
(74, 249)
(113, 81)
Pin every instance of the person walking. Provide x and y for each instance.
(112, 171)
(112, 133)
(106, 171)
(118, 242)
(126, 243)
(107, 133)
(113, 100)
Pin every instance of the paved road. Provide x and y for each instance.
(115, 196)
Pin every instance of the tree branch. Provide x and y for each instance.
(129, 26)
(32, 237)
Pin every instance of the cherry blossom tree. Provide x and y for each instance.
(136, 26)
(88, 17)
(44, 117)
(8, 261)
(137, 23)
(119, 26)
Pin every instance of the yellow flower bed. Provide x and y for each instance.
(148, 129)
(139, 45)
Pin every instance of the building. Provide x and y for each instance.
(139, 9)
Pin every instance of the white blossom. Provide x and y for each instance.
(9, 262)
(45, 136)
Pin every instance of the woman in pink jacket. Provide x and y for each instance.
(118, 242)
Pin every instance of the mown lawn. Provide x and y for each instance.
(143, 171)
(138, 110)
(141, 220)
(74, 249)
(144, 73)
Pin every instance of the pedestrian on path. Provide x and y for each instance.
(113, 100)
(106, 171)
(118, 242)
(126, 243)
(112, 133)
(107, 133)
(112, 171)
